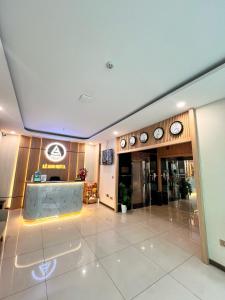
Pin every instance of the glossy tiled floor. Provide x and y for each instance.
(149, 253)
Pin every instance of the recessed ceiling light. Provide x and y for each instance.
(1, 108)
(115, 132)
(181, 104)
(12, 132)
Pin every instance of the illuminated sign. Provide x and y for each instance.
(51, 166)
(55, 152)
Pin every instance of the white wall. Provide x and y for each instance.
(211, 135)
(91, 162)
(9, 146)
(107, 178)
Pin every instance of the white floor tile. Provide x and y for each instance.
(59, 232)
(37, 292)
(21, 272)
(162, 239)
(9, 246)
(29, 239)
(163, 253)
(131, 271)
(205, 281)
(87, 283)
(183, 239)
(135, 233)
(91, 226)
(168, 289)
(158, 225)
(106, 243)
(68, 256)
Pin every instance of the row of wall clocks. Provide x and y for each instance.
(176, 128)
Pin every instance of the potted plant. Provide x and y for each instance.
(185, 188)
(83, 173)
(124, 197)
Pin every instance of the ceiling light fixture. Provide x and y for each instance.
(115, 132)
(1, 108)
(181, 104)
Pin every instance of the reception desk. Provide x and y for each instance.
(50, 199)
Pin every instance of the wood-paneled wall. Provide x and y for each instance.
(31, 157)
(168, 139)
(184, 150)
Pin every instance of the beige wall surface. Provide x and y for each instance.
(8, 155)
(211, 136)
(91, 162)
(107, 184)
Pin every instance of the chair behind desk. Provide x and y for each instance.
(54, 178)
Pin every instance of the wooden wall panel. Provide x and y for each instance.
(36, 143)
(31, 157)
(21, 171)
(80, 161)
(16, 202)
(81, 147)
(25, 141)
(33, 164)
(74, 147)
(200, 204)
(62, 173)
(166, 140)
(45, 143)
(72, 166)
(20, 175)
(183, 149)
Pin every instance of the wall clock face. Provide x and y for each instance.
(176, 128)
(143, 137)
(123, 143)
(158, 133)
(132, 140)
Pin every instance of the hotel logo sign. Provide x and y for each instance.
(55, 152)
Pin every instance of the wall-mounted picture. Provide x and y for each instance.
(107, 157)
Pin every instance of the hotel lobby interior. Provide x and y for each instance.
(112, 142)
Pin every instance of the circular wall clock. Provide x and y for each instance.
(176, 128)
(158, 133)
(132, 140)
(143, 137)
(123, 143)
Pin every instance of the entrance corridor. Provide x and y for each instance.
(148, 253)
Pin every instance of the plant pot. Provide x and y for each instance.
(183, 196)
(123, 208)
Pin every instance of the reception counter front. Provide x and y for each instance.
(48, 199)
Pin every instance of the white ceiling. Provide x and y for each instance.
(10, 116)
(57, 50)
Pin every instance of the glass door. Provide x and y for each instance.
(178, 185)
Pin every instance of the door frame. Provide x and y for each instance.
(195, 153)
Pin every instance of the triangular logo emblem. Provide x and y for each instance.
(56, 152)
